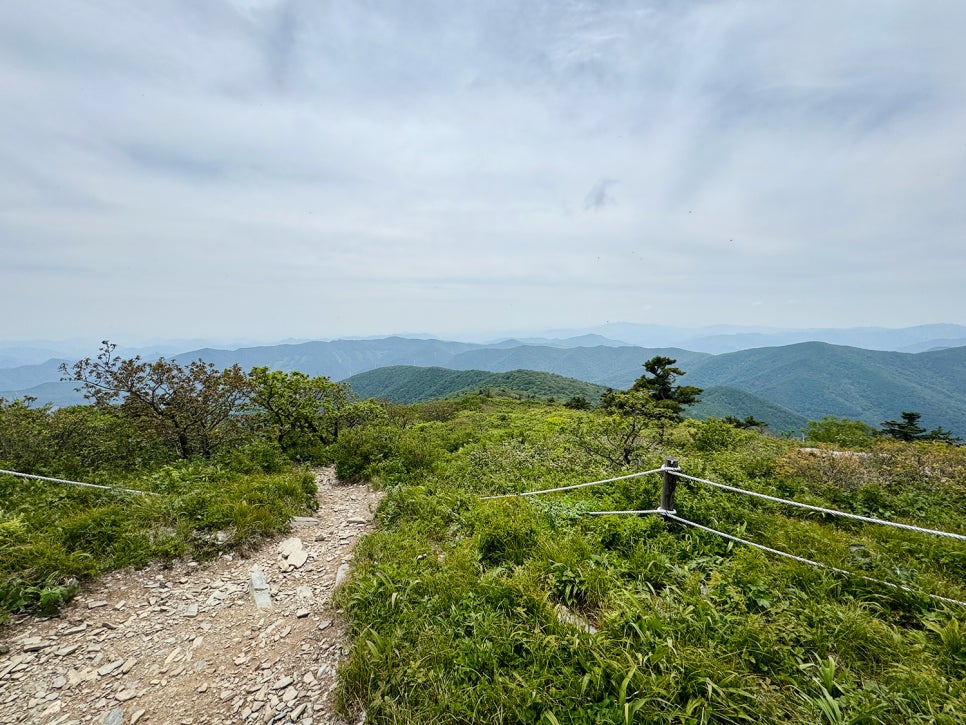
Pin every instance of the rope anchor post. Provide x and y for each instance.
(669, 470)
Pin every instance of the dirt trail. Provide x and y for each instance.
(188, 644)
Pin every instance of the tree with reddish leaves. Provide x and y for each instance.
(193, 408)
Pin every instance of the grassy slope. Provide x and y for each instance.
(53, 534)
(453, 601)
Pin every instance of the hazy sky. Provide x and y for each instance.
(275, 168)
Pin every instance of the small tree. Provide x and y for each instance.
(658, 384)
(302, 411)
(908, 429)
(941, 435)
(653, 402)
(191, 407)
(749, 422)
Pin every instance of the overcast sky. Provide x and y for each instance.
(298, 168)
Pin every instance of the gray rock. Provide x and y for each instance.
(282, 684)
(341, 573)
(35, 644)
(290, 546)
(304, 521)
(298, 558)
(567, 617)
(260, 590)
(114, 717)
(107, 669)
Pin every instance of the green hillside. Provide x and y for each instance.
(615, 367)
(720, 402)
(816, 379)
(408, 384)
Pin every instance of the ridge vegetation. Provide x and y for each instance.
(509, 610)
(806, 380)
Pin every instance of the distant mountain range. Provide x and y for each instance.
(790, 383)
(719, 339)
(713, 339)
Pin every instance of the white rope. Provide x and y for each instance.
(571, 488)
(818, 564)
(75, 483)
(605, 513)
(819, 509)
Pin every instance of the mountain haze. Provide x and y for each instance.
(808, 380)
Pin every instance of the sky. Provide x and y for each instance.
(271, 169)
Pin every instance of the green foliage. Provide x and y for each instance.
(75, 441)
(651, 404)
(842, 432)
(192, 408)
(908, 429)
(406, 384)
(302, 412)
(456, 604)
(52, 535)
(658, 383)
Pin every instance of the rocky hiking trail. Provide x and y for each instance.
(251, 639)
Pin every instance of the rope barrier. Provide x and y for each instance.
(75, 483)
(605, 513)
(819, 509)
(571, 488)
(670, 514)
(811, 562)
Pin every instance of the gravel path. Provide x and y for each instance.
(189, 644)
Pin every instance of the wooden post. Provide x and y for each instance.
(670, 484)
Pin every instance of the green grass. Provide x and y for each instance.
(454, 603)
(52, 535)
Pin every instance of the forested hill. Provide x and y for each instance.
(722, 401)
(816, 379)
(407, 384)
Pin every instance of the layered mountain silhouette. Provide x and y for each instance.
(792, 383)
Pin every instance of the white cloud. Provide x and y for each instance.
(428, 166)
